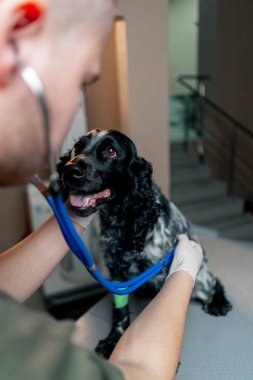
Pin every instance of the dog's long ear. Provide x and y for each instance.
(141, 205)
(141, 172)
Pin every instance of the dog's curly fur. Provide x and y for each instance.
(138, 224)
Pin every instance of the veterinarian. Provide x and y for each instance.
(63, 41)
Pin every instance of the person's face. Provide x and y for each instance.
(64, 63)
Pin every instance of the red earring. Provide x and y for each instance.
(31, 13)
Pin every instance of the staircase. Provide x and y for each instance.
(203, 199)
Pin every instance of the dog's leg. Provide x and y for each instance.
(120, 323)
(210, 292)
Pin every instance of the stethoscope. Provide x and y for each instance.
(52, 193)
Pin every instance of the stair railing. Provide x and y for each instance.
(200, 94)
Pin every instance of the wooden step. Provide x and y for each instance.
(209, 212)
(189, 174)
(194, 191)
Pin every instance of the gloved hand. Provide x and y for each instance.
(188, 256)
(83, 221)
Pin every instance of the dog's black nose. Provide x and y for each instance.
(73, 171)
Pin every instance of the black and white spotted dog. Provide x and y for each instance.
(138, 224)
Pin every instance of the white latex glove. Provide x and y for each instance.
(188, 256)
(83, 221)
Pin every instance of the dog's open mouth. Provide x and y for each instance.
(82, 201)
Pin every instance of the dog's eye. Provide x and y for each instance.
(110, 152)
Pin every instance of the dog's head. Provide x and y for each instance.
(103, 167)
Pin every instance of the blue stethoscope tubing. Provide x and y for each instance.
(80, 250)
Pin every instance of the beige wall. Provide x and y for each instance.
(183, 41)
(226, 54)
(102, 98)
(146, 110)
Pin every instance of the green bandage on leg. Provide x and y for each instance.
(120, 301)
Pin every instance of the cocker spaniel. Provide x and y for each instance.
(138, 225)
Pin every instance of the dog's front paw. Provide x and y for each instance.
(120, 323)
(219, 305)
(106, 346)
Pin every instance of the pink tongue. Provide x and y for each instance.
(78, 200)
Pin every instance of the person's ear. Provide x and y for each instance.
(16, 17)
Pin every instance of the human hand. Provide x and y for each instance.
(188, 256)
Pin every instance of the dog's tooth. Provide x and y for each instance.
(92, 202)
(86, 201)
